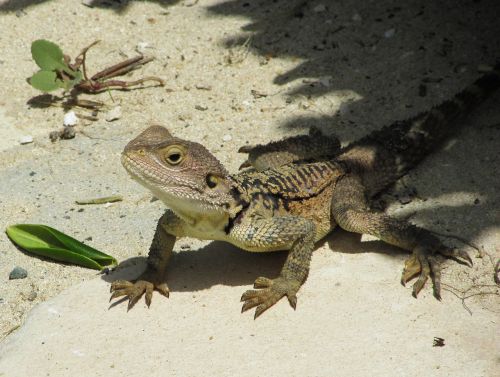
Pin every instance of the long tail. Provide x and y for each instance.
(385, 155)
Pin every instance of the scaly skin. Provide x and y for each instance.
(288, 199)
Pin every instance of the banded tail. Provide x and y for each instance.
(385, 155)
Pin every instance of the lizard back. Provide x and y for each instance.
(383, 156)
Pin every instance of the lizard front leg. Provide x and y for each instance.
(351, 212)
(154, 277)
(280, 233)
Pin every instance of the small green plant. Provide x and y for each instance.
(58, 72)
(54, 72)
(48, 242)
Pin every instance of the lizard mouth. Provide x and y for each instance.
(175, 194)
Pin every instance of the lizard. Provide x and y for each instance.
(287, 199)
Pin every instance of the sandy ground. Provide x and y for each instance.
(347, 67)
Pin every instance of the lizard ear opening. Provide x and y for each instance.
(211, 180)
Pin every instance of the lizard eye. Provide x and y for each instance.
(174, 156)
(211, 180)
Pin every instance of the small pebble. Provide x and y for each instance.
(54, 136)
(356, 17)
(18, 273)
(190, 3)
(389, 33)
(88, 3)
(67, 133)
(484, 68)
(203, 87)
(319, 8)
(141, 47)
(227, 137)
(26, 139)
(404, 199)
(325, 81)
(32, 296)
(70, 119)
(201, 107)
(114, 114)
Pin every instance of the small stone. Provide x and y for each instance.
(67, 133)
(190, 3)
(32, 296)
(460, 68)
(18, 273)
(26, 139)
(203, 87)
(325, 81)
(356, 17)
(201, 107)
(70, 119)
(404, 199)
(389, 33)
(141, 47)
(54, 136)
(258, 94)
(227, 138)
(88, 3)
(319, 8)
(484, 68)
(114, 114)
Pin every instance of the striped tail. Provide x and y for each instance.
(385, 155)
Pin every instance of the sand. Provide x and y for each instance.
(347, 67)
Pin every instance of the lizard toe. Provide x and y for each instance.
(269, 293)
(458, 254)
(410, 270)
(422, 263)
(262, 282)
(119, 284)
(145, 285)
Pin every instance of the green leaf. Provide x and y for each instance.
(49, 242)
(47, 55)
(46, 81)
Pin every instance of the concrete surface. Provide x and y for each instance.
(347, 67)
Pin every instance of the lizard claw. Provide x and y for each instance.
(134, 290)
(269, 292)
(423, 263)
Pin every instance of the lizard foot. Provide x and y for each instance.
(423, 262)
(271, 291)
(134, 290)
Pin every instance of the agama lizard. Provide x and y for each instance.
(293, 193)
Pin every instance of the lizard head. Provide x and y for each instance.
(181, 173)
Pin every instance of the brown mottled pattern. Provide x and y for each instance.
(281, 205)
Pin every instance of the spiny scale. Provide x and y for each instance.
(291, 181)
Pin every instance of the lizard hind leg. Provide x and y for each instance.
(351, 212)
